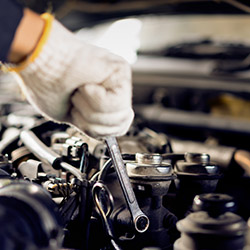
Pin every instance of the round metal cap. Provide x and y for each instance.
(144, 158)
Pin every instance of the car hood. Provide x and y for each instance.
(82, 13)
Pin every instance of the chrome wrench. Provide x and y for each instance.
(140, 220)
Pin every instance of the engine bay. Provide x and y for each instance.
(182, 181)
(62, 191)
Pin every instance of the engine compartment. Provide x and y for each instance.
(186, 154)
(61, 186)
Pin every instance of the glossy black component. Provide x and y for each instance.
(214, 204)
(212, 226)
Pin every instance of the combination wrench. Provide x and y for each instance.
(140, 220)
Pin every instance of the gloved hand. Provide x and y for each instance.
(78, 83)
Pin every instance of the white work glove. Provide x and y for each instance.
(78, 83)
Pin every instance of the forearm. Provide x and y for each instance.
(26, 37)
(11, 13)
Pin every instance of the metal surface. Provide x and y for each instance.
(140, 220)
(197, 157)
(149, 167)
(148, 158)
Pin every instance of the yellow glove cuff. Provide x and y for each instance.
(48, 18)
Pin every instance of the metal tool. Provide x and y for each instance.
(140, 220)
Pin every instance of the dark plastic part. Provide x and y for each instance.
(29, 208)
(214, 204)
(212, 226)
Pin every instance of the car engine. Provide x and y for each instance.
(60, 189)
(182, 181)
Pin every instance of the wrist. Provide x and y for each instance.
(22, 54)
(26, 37)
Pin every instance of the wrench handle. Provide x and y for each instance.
(140, 220)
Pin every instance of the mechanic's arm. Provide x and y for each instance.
(72, 81)
(27, 36)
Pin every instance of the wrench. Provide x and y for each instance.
(140, 220)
